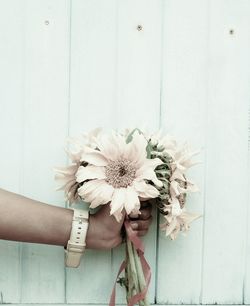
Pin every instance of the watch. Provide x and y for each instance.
(77, 242)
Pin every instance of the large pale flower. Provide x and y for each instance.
(76, 144)
(67, 175)
(118, 173)
(179, 186)
(182, 158)
(181, 155)
(177, 219)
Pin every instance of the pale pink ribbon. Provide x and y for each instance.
(145, 267)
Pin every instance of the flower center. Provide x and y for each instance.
(120, 173)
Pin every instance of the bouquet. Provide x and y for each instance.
(123, 169)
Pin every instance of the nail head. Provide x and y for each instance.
(139, 27)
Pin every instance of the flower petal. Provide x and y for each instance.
(148, 174)
(187, 218)
(170, 227)
(139, 143)
(176, 208)
(94, 157)
(90, 172)
(176, 231)
(130, 152)
(145, 190)
(153, 163)
(117, 203)
(107, 147)
(177, 174)
(176, 189)
(191, 187)
(102, 195)
(89, 187)
(68, 170)
(132, 202)
(119, 141)
(169, 142)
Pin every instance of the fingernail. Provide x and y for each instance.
(133, 216)
(134, 226)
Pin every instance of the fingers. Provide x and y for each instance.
(146, 211)
(141, 233)
(141, 223)
(145, 204)
(133, 216)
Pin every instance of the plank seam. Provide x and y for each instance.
(69, 105)
(247, 214)
(160, 124)
(205, 150)
(20, 248)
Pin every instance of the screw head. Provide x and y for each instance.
(139, 27)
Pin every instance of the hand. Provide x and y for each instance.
(140, 223)
(104, 231)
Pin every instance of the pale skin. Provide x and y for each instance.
(27, 220)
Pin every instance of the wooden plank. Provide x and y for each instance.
(226, 157)
(246, 289)
(138, 63)
(11, 99)
(184, 92)
(100, 81)
(45, 128)
(138, 88)
(92, 101)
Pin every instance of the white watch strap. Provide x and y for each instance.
(76, 244)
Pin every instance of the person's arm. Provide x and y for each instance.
(27, 220)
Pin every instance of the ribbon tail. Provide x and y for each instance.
(112, 298)
(139, 247)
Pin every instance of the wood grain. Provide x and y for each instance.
(184, 95)
(226, 153)
(45, 126)
(11, 123)
(69, 66)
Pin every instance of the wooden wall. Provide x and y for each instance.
(69, 66)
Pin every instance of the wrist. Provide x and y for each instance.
(68, 222)
(100, 236)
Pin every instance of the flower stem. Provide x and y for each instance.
(140, 274)
(129, 281)
(132, 265)
(133, 277)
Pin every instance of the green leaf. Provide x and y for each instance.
(130, 135)
(149, 149)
